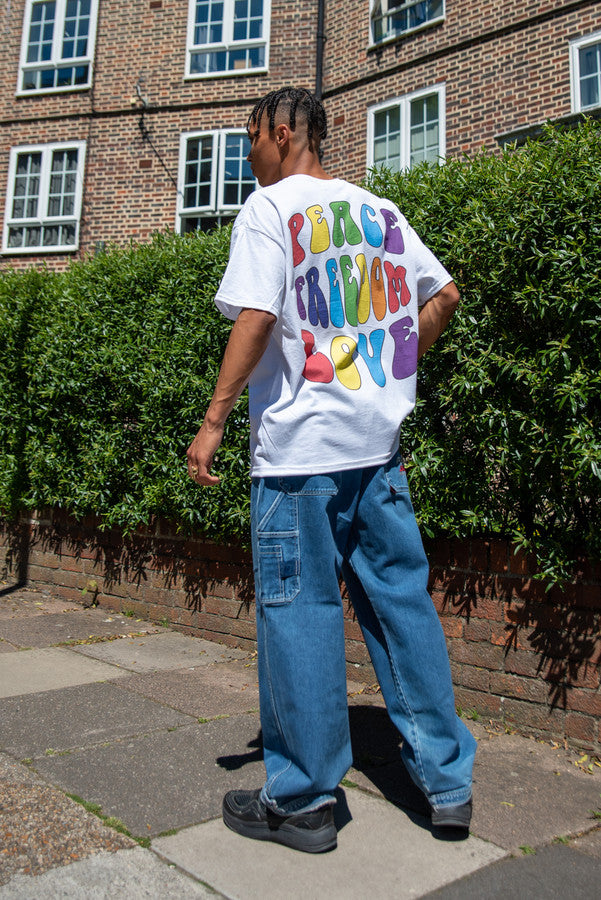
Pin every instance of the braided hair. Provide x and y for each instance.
(295, 100)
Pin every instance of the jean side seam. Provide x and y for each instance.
(268, 665)
(398, 682)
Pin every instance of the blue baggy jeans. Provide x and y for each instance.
(307, 531)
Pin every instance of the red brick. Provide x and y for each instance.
(580, 727)
(477, 630)
(452, 627)
(584, 701)
(480, 560)
(499, 557)
(474, 654)
(533, 716)
(519, 687)
(485, 704)
(477, 679)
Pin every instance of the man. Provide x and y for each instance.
(324, 283)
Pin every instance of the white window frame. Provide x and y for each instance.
(576, 46)
(40, 220)
(228, 42)
(385, 6)
(216, 206)
(57, 60)
(404, 103)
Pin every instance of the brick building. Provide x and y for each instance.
(114, 126)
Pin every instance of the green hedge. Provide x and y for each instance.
(117, 372)
(106, 369)
(506, 437)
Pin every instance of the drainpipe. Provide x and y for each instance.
(321, 39)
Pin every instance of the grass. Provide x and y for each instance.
(110, 821)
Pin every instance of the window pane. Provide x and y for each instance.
(15, 237)
(589, 92)
(61, 193)
(248, 19)
(33, 236)
(402, 16)
(198, 171)
(77, 29)
(590, 75)
(256, 58)
(589, 60)
(39, 45)
(387, 141)
(26, 186)
(208, 22)
(238, 181)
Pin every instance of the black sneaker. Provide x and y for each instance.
(453, 816)
(312, 832)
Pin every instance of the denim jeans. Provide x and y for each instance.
(307, 531)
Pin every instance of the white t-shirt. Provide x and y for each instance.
(344, 274)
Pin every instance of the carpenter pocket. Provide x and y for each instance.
(278, 551)
(396, 476)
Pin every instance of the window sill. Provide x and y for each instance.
(36, 251)
(44, 92)
(230, 73)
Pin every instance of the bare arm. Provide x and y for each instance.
(247, 343)
(435, 315)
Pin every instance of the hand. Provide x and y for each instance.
(200, 454)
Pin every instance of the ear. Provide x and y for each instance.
(282, 135)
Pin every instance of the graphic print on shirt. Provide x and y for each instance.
(348, 291)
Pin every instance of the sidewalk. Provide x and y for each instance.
(147, 728)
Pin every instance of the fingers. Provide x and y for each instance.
(202, 475)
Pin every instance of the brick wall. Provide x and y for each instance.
(518, 654)
(505, 64)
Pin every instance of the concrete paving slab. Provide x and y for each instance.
(32, 671)
(589, 843)
(65, 627)
(130, 874)
(81, 716)
(527, 792)
(40, 828)
(381, 854)
(229, 688)
(169, 650)
(22, 602)
(553, 873)
(6, 648)
(164, 780)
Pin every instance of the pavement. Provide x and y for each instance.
(118, 739)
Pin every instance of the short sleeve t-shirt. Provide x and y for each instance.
(344, 274)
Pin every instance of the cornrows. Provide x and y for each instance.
(294, 99)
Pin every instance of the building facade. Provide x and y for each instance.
(118, 120)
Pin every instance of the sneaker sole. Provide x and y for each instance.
(318, 841)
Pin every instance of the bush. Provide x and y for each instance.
(506, 437)
(106, 369)
(120, 370)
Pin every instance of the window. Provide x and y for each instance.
(389, 18)
(58, 42)
(227, 36)
(408, 130)
(585, 61)
(43, 204)
(215, 178)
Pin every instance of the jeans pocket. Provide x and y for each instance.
(396, 476)
(278, 552)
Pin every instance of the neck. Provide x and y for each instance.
(304, 163)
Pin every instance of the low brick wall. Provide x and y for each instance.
(519, 655)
